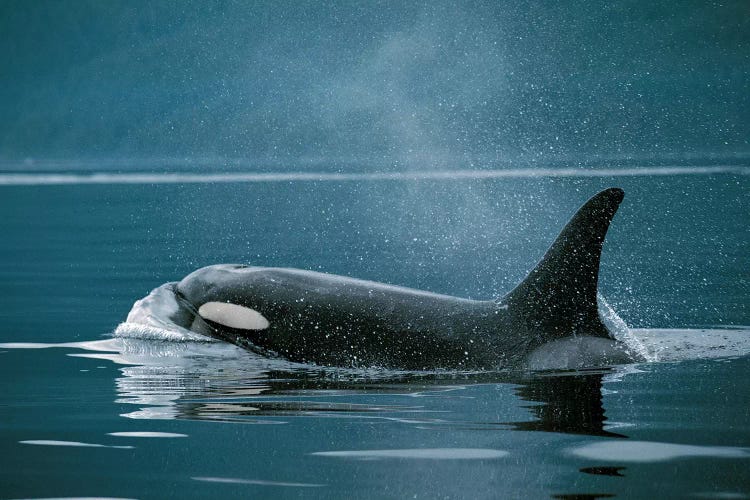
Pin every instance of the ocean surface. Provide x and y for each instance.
(91, 406)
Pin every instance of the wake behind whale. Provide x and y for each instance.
(550, 320)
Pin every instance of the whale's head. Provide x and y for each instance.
(218, 299)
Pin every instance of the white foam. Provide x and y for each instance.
(38, 179)
(620, 331)
(145, 332)
(679, 344)
(150, 319)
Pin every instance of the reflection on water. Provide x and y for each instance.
(215, 381)
(75, 444)
(572, 404)
(583, 496)
(642, 451)
(425, 453)
(221, 383)
(604, 471)
(257, 482)
(149, 434)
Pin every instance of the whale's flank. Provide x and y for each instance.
(313, 317)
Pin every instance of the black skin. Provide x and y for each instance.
(571, 402)
(340, 321)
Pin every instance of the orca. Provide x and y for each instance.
(549, 321)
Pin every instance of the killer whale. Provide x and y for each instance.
(550, 320)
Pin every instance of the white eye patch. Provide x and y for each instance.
(233, 316)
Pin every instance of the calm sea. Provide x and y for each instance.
(150, 416)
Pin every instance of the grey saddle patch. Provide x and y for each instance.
(576, 353)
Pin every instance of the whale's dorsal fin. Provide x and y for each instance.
(558, 298)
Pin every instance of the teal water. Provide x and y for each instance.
(164, 417)
(381, 84)
(389, 141)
